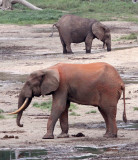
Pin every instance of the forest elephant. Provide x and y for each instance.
(96, 84)
(74, 29)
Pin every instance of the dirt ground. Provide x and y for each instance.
(24, 49)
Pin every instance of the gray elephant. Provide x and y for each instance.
(74, 29)
(97, 84)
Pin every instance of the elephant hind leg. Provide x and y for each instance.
(66, 45)
(63, 45)
(103, 113)
(68, 48)
(109, 114)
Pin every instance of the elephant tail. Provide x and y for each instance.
(124, 113)
(54, 25)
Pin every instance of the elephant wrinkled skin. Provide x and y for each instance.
(97, 84)
(74, 29)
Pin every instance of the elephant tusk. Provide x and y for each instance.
(21, 108)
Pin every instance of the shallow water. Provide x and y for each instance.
(9, 77)
(130, 78)
(59, 152)
(69, 152)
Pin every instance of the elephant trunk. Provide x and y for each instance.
(21, 101)
(108, 47)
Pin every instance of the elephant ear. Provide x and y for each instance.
(50, 81)
(98, 30)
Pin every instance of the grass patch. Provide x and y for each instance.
(72, 107)
(135, 108)
(43, 105)
(131, 36)
(53, 10)
(1, 111)
(14, 116)
(48, 105)
(2, 116)
(92, 111)
(74, 114)
(24, 17)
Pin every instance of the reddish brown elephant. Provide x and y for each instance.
(74, 29)
(96, 84)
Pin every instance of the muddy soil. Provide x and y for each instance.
(24, 49)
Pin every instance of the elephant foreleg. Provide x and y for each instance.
(88, 43)
(58, 107)
(64, 123)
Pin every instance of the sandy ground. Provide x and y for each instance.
(28, 48)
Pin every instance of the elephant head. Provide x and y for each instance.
(102, 32)
(41, 82)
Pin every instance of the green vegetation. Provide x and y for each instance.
(29, 16)
(2, 116)
(74, 114)
(135, 108)
(102, 10)
(14, 116)
(72, 107)
(1, 111)
(43, 105)
(129, 37)
(48, 104)
(92, 111)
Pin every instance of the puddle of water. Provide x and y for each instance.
(124, 47)
(66, 152)
(55, 153)
(129, 126)
(129, 78)
(25, 154)
(96, 151)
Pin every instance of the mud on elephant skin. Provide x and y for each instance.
(74, 29)
(97, 84)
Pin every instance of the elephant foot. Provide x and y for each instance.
(46, 136)
(63, 135)
(110, 135)
(88, 51)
